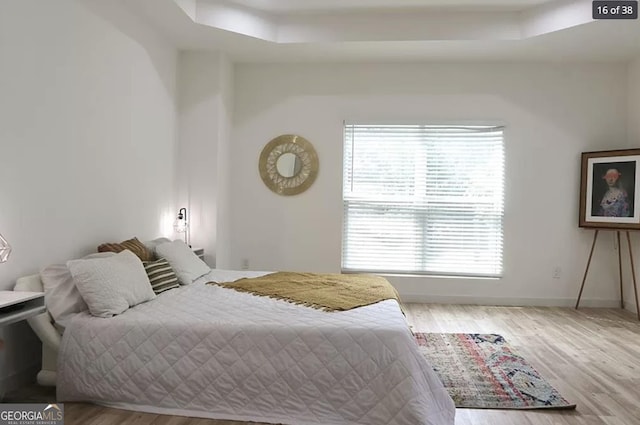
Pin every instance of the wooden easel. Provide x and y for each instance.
(633, 270)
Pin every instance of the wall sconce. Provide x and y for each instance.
(5, 249)
(181, 225)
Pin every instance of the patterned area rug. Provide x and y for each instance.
(484, 372)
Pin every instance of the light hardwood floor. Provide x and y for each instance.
(592, 356)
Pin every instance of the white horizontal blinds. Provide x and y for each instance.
(423, 199)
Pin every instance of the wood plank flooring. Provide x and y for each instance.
(592, 356)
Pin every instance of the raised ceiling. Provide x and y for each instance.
(392, 30)
(292, 6)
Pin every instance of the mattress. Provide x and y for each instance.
(212, 352)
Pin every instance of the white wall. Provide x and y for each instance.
(225, 121)
(634, 102)
(205, 85)
(552, 114)
(87, 137)
(633, 126)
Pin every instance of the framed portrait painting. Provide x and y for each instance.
(609, 187)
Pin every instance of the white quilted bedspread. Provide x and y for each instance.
(207, 351)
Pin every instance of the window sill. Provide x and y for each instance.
(427, 276)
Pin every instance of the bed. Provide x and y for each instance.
(207, 351)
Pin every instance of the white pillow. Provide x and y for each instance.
(183, 261)
(61, 296)
(151, 245)
(111, 285)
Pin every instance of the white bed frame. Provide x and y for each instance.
(42, 325)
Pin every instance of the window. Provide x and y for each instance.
(423, 199)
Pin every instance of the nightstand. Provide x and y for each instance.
(16, 306)
(199, 252)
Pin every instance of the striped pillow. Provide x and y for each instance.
(161, 275)
(133, 245)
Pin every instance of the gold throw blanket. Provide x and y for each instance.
(329, 292)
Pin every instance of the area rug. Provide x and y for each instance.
(483, 372)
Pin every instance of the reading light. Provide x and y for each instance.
(181, 225)
(5, 249)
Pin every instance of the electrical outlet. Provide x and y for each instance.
(557, 272)
(245, 264)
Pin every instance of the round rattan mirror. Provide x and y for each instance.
(288, 164)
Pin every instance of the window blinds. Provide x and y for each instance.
(423, 199)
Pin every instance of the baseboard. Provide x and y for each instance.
(506, 301)
(19, 379)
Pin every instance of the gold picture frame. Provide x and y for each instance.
(610, 189)
(288, 165)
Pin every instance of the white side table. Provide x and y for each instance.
(199, 252)
(16, 306)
